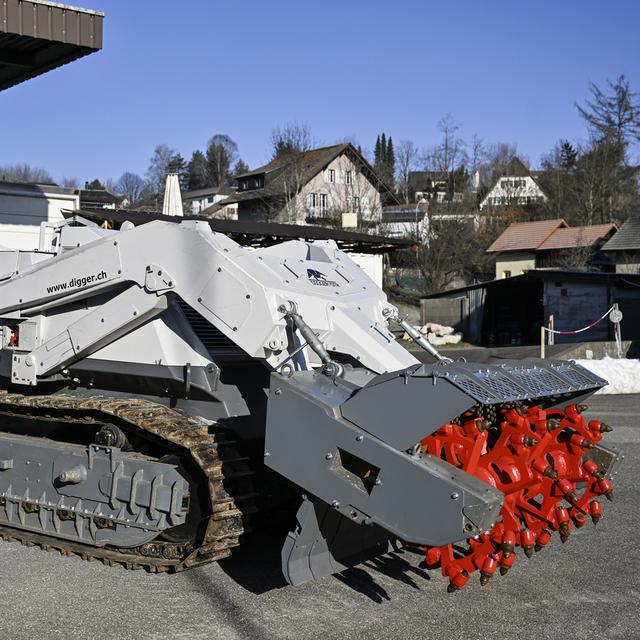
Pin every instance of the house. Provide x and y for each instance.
(433, 185)
(544, 244)
(510, 311)
(405, 221)
(517, 185)
(624, 248)
(26, 208)
(198, 200)
(100, 199)
(308, 187)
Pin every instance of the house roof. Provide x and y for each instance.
(98, 195)
(516, 168)
(572, 237)
(37, 36)
(627, 238)
(549, 275)
(209, 191)
(307, 164)
(520, 236)
(424, 179)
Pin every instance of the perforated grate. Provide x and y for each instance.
(539, 382)
(577, 376)
(481, 394)
(501, 385)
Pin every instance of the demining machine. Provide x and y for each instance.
(163, 388)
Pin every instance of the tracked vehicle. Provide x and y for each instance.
(162, 385)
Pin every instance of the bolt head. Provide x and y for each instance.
(455, 495)
(329, 456)
(335, 504)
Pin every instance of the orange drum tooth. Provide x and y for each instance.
(578, 441)
(595, 511)
(508, 543)
(581, 408)
(579, 519)
(506, 563)
(432, 556)
(542, 540)
(553, 424)
(489, 567)
(527, 540)
(605, 487)
(457, 580)
(568, 490)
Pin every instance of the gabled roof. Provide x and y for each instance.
(516, 168)
(520, 236)
(572, 237)
(545, 235)
(307, 164)
(97, 195)
(627, 239)
(209, 191)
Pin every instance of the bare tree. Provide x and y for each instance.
(70, 182)
(25, 173)
(222, 153)
(614, 116)
(131, 186)
(406, 155)
(290, 139)
(162, 157)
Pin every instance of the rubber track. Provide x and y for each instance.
(227, 475)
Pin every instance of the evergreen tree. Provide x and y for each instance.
(376, 154)
(390, 164)
(240, 168)
(177, 164)
(568, 156)
(95, 185)
(198, 178)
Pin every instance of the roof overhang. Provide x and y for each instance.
(37, 36)
(256, 234)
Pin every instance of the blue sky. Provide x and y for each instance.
(178, 72)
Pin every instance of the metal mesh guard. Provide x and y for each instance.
(494, 384)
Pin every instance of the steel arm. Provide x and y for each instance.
(236, 289)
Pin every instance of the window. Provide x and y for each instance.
(323, 202)
(331, 175)
(312, 200)
(506, 274)
(353, 203)
(348, 177)
(210, 199)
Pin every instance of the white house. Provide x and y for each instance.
(24, 208)
(516, 186)
(198, 200)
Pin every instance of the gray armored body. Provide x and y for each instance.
(151, 375)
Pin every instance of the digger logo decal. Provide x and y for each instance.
(319, 279)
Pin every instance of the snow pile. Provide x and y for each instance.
(437, 334)
(623, 375)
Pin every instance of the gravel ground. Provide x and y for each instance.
(586, 588)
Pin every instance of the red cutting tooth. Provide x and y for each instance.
(595, 510)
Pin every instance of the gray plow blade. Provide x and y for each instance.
(348, 443)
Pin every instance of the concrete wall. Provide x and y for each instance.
(515, 262)
(24, 207)
(450, 312)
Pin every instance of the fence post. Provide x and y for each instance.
(542, 340)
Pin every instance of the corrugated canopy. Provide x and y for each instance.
(37, 36)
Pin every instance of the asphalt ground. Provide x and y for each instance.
(587, 588)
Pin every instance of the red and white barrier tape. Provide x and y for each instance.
(572, 333)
